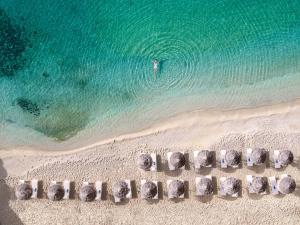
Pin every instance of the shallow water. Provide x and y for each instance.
(67, 66)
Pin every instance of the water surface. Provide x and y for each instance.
(67, 66)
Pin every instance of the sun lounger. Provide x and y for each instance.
(27, 189)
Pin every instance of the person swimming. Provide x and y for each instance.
(155, 67)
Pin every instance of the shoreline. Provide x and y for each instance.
(270, 127)
(180, 121)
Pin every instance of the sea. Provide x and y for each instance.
(76, 70)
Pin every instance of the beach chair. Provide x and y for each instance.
(276, 185)
(152, 166)
(149, 196)
(32, 185)
(66, 186)
(198, 164)
(128, 195)
(277, 164)
(198, 180)
(252, 189)
(98, 187)
(172, 194)
(180, 164)
(273, 185)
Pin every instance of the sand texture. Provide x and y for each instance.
(271, 127)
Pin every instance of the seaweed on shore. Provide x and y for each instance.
(13, 43)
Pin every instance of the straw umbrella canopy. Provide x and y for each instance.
(285, 157)
(177, 160)
(144, 161)
(287, 185)
(56, 192)
(258, 156)
(176, 188)
(87, 193)
(205, 158)
(120, 189)
(23, 191)
(149, 190)
(205, 186)
(259, 184)
(231, 186)
(232, 158)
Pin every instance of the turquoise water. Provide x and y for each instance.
(67, 66)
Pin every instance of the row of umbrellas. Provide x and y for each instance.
(228, 158)
(229, 186)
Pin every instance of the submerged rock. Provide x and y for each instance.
(13, 43)
(28, 106)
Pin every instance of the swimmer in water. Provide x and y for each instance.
(155, 67)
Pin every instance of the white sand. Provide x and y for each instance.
(271, 127)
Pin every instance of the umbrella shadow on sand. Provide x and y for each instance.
(7, 215)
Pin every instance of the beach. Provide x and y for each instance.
(271, 127)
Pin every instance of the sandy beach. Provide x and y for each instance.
(271, 127)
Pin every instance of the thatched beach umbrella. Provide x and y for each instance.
(120, 189)
(285, 157)
(205, 158)
(144, 161)
(287, 185)
(149, 190)
(259, 184)
(176, 188)
(258, 156)
(231, 186)
(232, 158)
(177, 160)
(23, 191)
(205, 186)
(56, 192)
(87, 193)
